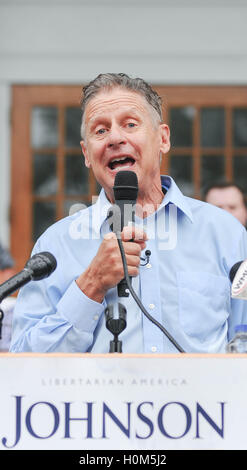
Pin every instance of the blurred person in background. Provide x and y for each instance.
(7, 305)
(230, 197)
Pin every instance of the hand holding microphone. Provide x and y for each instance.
(106, 269)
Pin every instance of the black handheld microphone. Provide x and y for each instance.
(125, 193)
(123, 212)
(37, 267)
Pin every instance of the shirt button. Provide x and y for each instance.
(153, 349)
(148, 265)
(96, 317)
(152, 306)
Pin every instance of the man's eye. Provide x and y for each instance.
(131, 124)
(101, 131)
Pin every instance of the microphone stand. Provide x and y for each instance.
(115, 326)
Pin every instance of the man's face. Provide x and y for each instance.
(122, 133)
(230, 199)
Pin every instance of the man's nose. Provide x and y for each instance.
(116, 136)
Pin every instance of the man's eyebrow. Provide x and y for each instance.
(103, 118)
(95, 119)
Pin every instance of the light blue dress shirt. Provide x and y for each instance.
(185, 285)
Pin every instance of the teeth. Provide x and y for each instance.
(119, 162)
(119, 159)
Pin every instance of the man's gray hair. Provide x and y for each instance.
(112, 80)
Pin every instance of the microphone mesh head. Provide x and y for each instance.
(125, 186)
(41, 265)
(233, 270)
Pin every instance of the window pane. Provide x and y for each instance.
(181, 170)
(44, 175)
(181, 124)
(72, 127)
(240, 171)
(212, 169)
(44, 214)
(240, 127)
(212, 127)
(44, 127)
(76, 175)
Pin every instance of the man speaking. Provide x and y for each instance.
(183, 282)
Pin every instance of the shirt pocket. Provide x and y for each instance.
(204, 303)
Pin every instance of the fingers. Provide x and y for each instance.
(137, 236)
(134, 241)
(133, 233)
(110, 236)
(133, 263)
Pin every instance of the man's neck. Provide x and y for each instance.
(146, 206)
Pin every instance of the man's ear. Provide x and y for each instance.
(85, 153)
(165, 138)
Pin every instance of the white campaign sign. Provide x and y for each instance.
(119, 401)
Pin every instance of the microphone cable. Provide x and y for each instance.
(138, 301)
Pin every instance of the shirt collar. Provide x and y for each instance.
(173, 195)
(100, 211)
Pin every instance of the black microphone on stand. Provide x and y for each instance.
(37, 267)
(121, 214)
(125, 191)
(238, 277)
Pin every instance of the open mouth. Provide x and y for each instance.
(121, 162)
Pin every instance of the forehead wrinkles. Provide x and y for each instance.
(99, 106)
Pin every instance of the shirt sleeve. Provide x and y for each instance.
(47, 319)
(38, 326)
